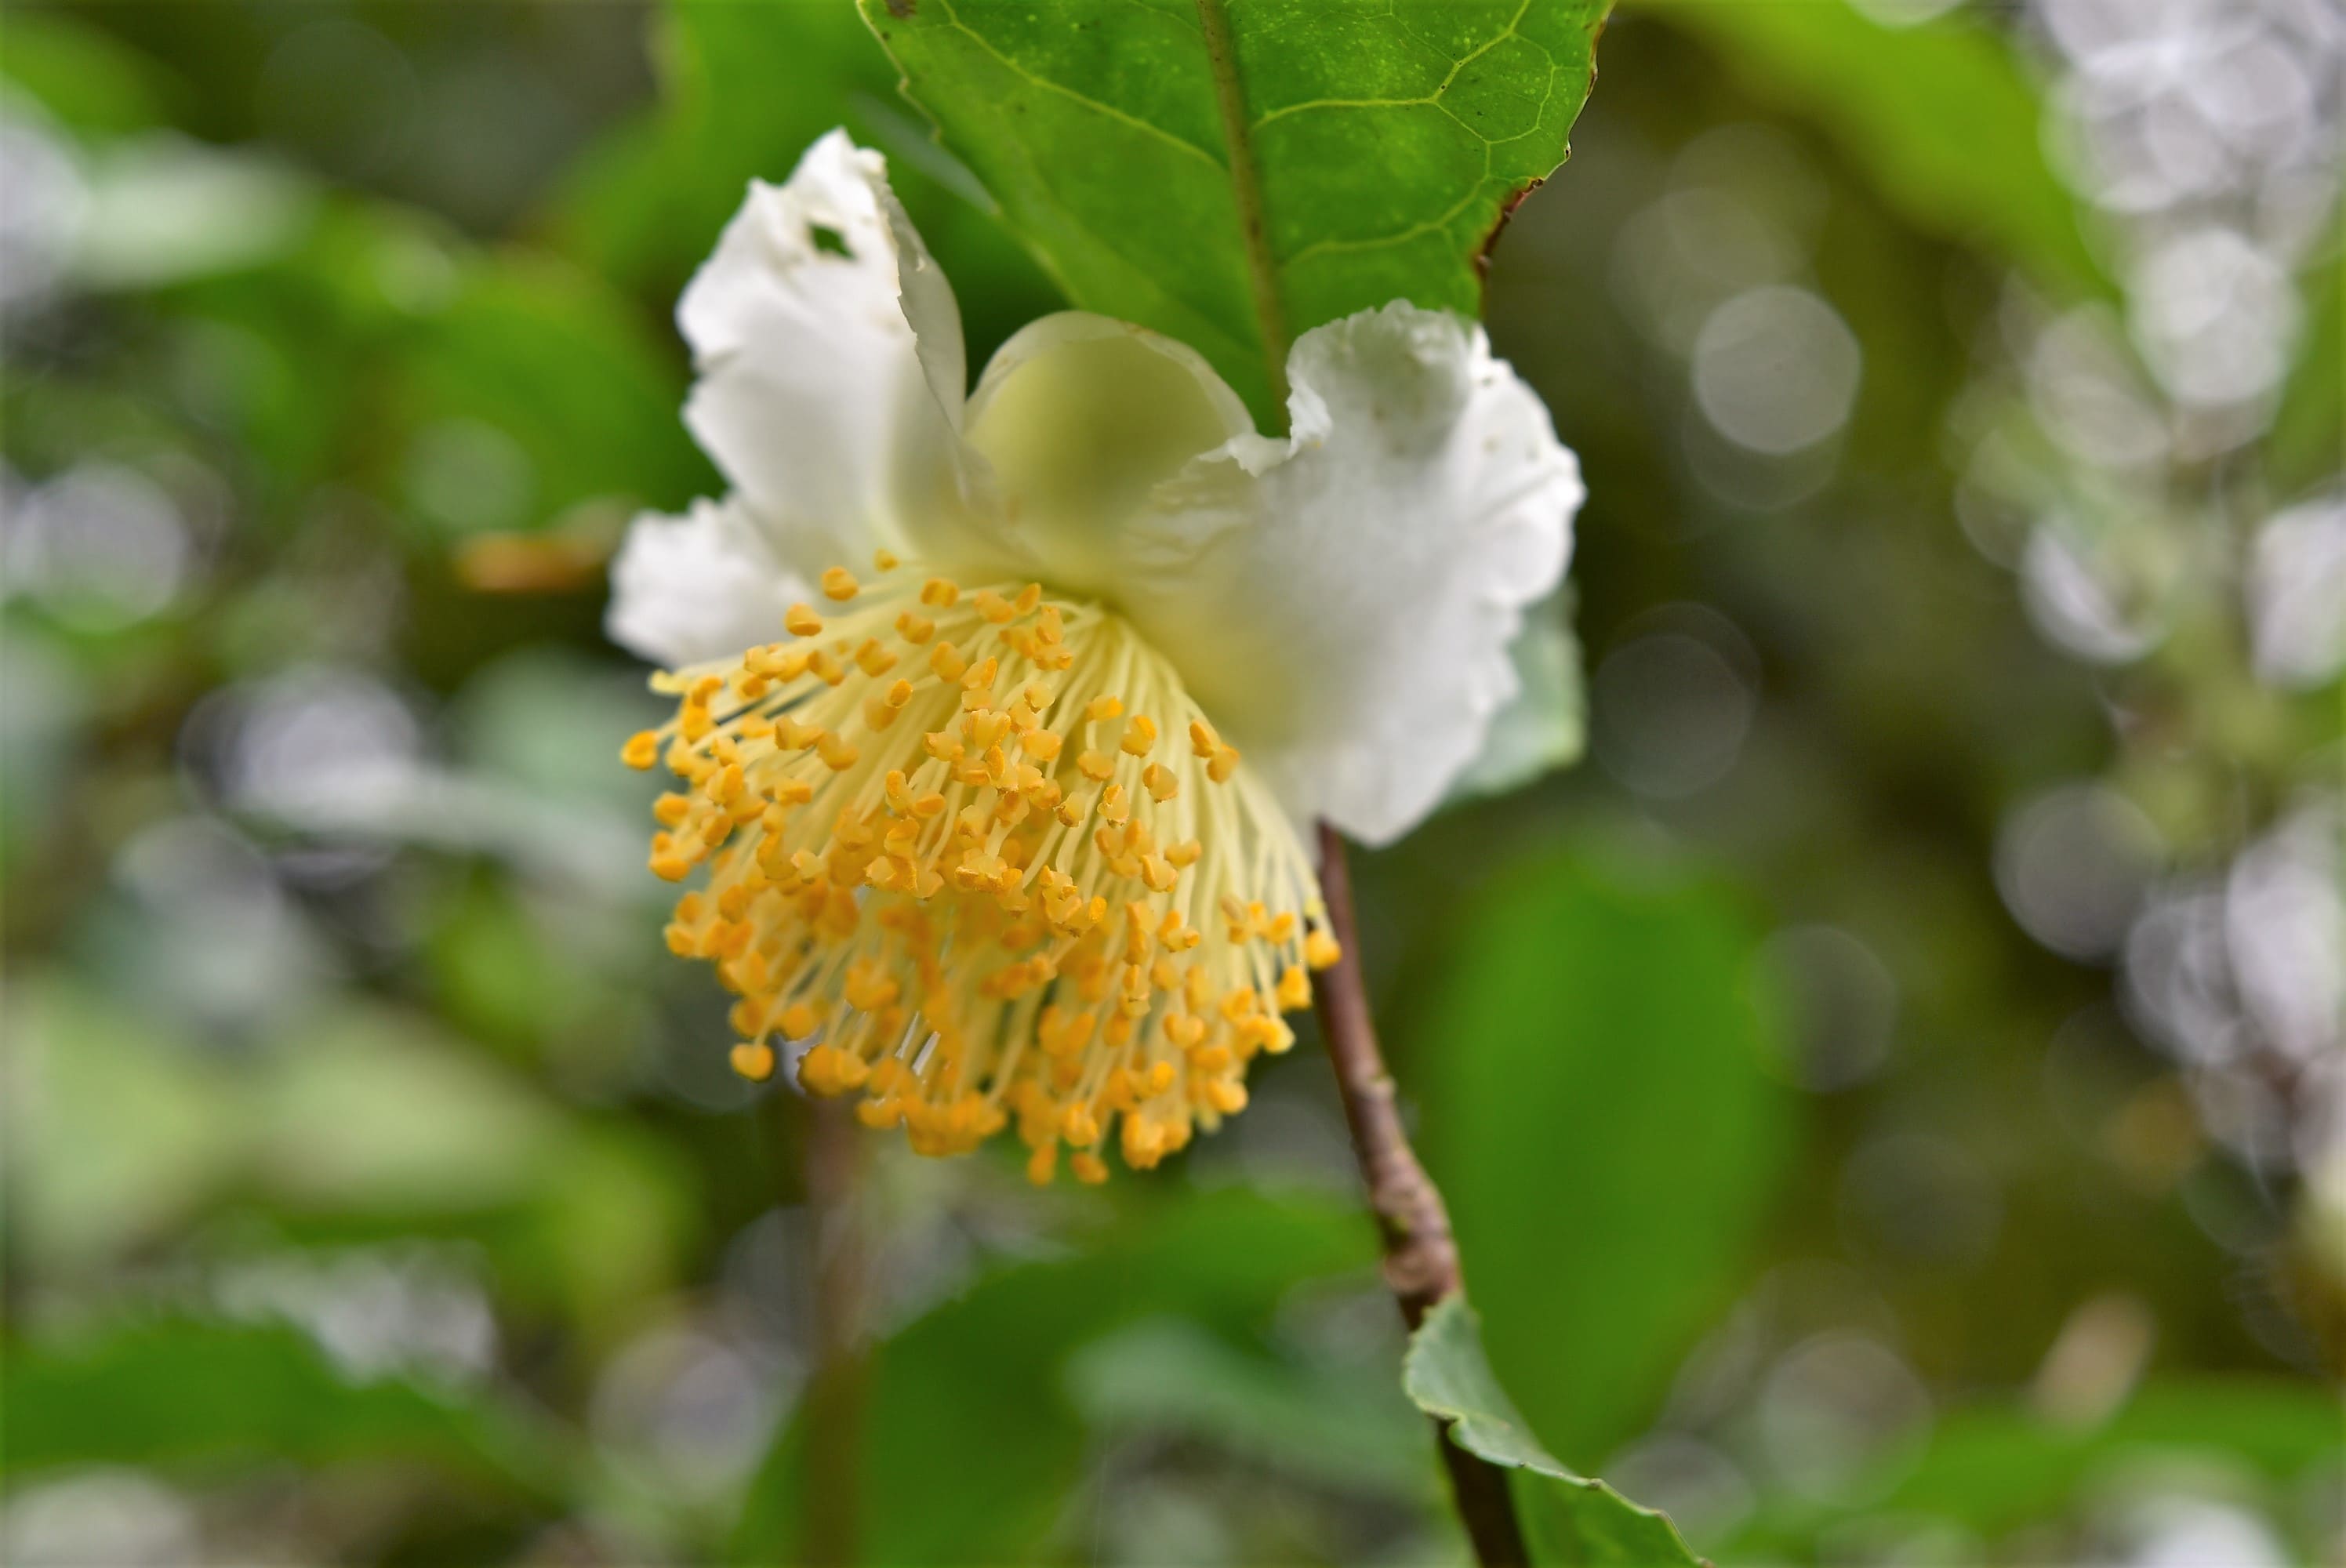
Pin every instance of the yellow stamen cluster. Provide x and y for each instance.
(982, 849)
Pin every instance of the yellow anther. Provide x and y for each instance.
(935, 889)
(1043, 1163)
(641, 750)
(1088, 1167)
(839, 586)
(885, 561)
(803, 621)
(1225, 763)
(938, 592)
(754, 1061)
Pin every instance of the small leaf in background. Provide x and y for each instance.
(1999, 1468)
(1566, 1518)
(747, 89)
(972, 1444)
(536, 387)
(1545, 725)
(2305, 439)
(1235, 178)
(78, 75)
(1171, 1375)
(195, 1396)
(1598, 1116)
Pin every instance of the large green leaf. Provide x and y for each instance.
(1566, 1518)
(1940, 115)
(1597, 1115)
(972, 1442)
(1235, 172)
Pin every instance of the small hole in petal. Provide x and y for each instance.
(828, 239)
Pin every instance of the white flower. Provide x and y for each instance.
(981, 820)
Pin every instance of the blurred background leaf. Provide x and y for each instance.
(1599, 1117)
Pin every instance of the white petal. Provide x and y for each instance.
(1080, 418)
(1343, 601)
(700, 586)
(831, 360)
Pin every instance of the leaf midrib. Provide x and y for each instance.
(1246, 187)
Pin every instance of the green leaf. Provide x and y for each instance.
(1997, 1468)
(193, 1396)
(138, 1127)
(972, 1442)
(1601, 1124)
(1566, 1518)
(1545, 725)
(81, 75)
(745, 90)
(536, 373)
(1233, 173)
(1172, 1375)
(1940, 115)
(2306, 447)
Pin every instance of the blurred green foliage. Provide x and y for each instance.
(378, 1192)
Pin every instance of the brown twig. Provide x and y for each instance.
(831, 1526)
(1421, 1257)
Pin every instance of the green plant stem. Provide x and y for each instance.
(835, 1393)
(1421, 1257)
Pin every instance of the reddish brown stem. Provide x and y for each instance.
(1421, 1257)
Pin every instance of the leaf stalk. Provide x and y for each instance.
(1420, 1256)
